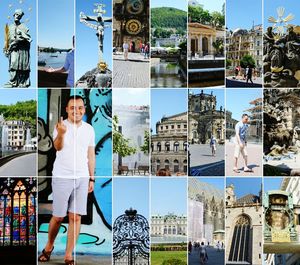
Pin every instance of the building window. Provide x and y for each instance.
(159, 147)
(18, 214)
(176, 166)
(241, 248)
(185, 146)
(167, 164)
(176, 147)
(167, 127)
(178, 126)
(157, 164)
(167, 146)
(172, 126)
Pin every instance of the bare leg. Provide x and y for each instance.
(54, 226)
(73, 233)
(246, 163)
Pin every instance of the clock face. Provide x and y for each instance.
(133, 26)
(135, 7)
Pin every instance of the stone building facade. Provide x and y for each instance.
(201, 38)
(134, 121)
(204, 119)
(168, 225)
(241, 42)
(243, 228)
(206, 219)
(130, 22)
(169, 145)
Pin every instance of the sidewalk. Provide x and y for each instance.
(230, 82)
(254, 160)
(132, 57)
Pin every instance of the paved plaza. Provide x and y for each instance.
(230, 82)
(133, 73)
(215, 257)
(202, 162)
(254, 160)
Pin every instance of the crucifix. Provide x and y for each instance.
(99, 26)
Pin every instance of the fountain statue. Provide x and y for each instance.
(281, 52)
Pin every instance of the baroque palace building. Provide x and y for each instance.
(243, 228)
(241, 42)
(169, 144)
(168, 225)
(206, 213)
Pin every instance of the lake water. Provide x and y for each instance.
(54, 60)
(167, 74)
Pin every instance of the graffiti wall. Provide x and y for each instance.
(52, 104)
(95, 233)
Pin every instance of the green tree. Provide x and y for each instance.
(120, 143)
(228, 63)
(146, 146)
(247, 60)
(219, 46)
(217, 19)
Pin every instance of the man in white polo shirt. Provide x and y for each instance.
(73, 175)
(241, 129)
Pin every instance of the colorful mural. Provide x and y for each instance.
(51, 107)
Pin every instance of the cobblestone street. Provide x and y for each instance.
(133, 73)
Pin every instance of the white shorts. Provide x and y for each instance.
(69, 195)
(239, 150)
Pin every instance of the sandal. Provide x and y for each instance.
(45, 256)
(235, 170)
(248, 170)
(69, 262)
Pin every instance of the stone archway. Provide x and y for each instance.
(204, 46)
(194, 46)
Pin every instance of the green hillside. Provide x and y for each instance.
(168, 17)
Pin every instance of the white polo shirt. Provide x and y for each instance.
(72, 159)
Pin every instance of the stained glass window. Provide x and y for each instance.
(18, 213)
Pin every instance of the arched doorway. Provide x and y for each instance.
(194, 46)
(241, 247)
(204, 46)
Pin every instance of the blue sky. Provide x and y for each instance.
(168, 195)
(272, 184)
(6, 11)
(237, 100)
(167, 102)
(212, 5)
(270, 9)
(86, 39)
(217, 92)
(244, 186)
(131, 96)
(130, 192)
(11, 96)
(179, 4)
(217, 182)
(56, 23)
(241, 14)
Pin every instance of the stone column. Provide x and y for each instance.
(189, 43)
(200, 45)
(210, 47)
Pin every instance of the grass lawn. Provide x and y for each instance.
(157, 257)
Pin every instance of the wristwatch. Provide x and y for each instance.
(92, 180)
